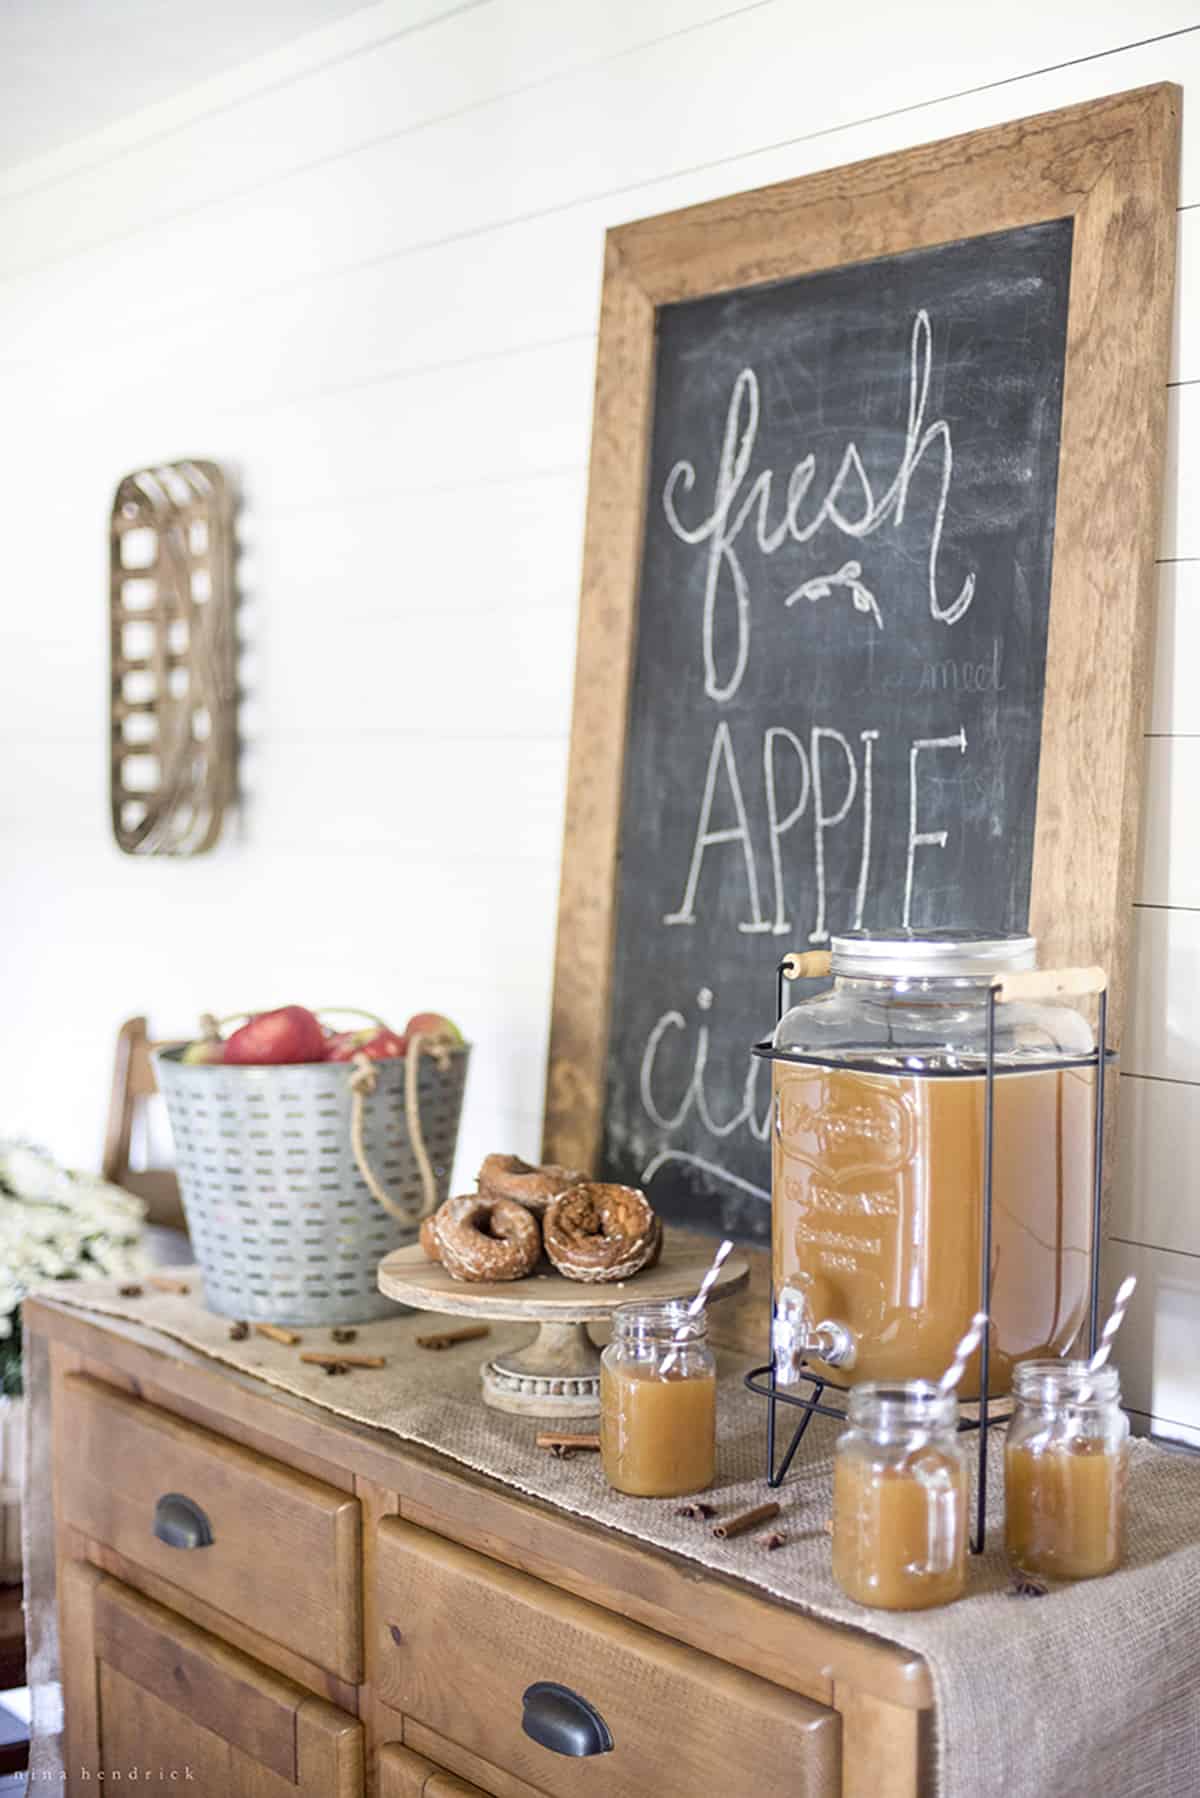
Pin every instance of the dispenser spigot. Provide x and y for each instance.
(794, 1336)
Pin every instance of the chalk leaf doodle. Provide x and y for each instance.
(849, 504)
(849, 575)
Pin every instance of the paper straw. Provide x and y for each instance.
(698, 1303)
(1116, 1319)
(962, 1354)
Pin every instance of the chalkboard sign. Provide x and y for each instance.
(840, 661)
(857, 625)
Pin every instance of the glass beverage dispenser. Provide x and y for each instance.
(878, 1162)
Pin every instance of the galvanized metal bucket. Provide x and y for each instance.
(284, 1226)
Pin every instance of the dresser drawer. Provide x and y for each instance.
(149, 1696)
(403, 1774)
(483, 1655)
(284, 1551)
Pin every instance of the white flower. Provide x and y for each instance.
(28, 1171)
(55, 1225)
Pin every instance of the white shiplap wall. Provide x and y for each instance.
(329, 269)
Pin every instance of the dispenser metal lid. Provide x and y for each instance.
(929, 954)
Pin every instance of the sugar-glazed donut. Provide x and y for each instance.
(598, 1232)
(484, 1239)
(508, 1177)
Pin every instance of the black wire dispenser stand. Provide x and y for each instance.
(762, 1380)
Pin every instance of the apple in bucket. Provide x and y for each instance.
(273, 1038)
(378, 1045)
(432, 1024)
(293, 1033)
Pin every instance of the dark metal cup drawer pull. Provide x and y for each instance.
(180, 1523)
(563, 1721)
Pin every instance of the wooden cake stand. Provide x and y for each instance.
(557, 1374)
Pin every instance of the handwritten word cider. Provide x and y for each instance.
(658, 1402)
(900, 1499)
(1065, 1471)
(878, 1162)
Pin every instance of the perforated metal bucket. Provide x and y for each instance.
(284, 1227)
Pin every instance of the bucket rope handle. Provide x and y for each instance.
(363, 1080)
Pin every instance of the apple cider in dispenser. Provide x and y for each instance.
(878, 1163)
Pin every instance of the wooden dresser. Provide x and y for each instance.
(288, 1603)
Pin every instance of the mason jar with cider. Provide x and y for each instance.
(878, 1162)
(658, 1401)
(1065, 1469)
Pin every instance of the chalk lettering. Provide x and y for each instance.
(963, 677)
(868, 738)
(731, 509)
(695, 1097)
(778, 826)
(917, 839)
(720, 756)
(823, 820)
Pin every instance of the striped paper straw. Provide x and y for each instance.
(1116, 1319)
(698, 1303)
(962, 1354)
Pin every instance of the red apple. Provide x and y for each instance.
(385, 1045)
(291, 1034)
(347, 1043)
(431, 1023)
(379, 1045)
(204, 1052)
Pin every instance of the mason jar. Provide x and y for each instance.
(658, 1402)
(1065, 1470)
(878, 1162)
(900, 1498)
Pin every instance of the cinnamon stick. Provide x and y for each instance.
(444, 1339)
(558, 1441)
(167, 1283)
(277, 1333)
(746, 1520)
(319, 1358)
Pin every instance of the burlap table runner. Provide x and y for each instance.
(1092, 1689)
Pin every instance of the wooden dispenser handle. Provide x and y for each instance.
(1051, 983)
(812, 964)
(1036, 983)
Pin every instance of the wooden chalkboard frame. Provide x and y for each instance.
(1112, 166)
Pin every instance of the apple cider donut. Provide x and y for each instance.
(598, 1232)
(427, 1236)
(484, 1239)
(508, 1177)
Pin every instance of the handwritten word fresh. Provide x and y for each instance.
(849, 505)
